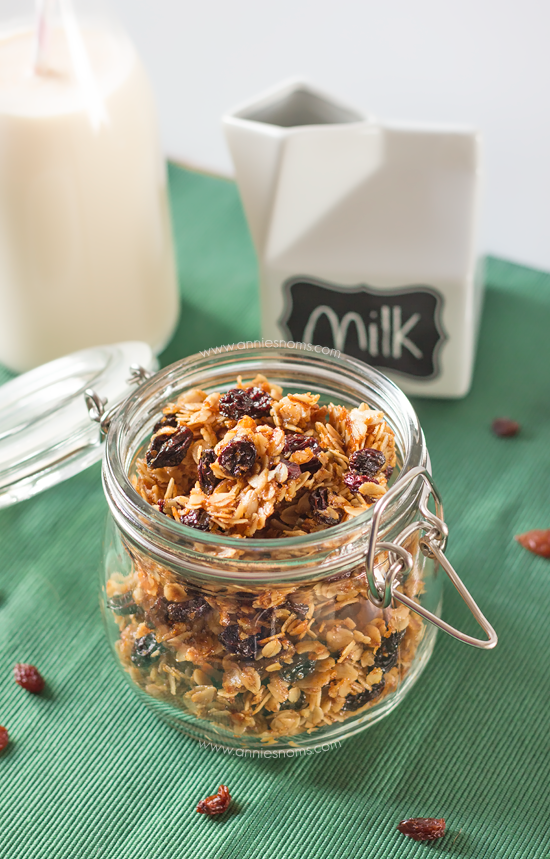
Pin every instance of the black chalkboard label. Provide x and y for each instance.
(398, 329)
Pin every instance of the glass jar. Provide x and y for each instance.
(294, 642)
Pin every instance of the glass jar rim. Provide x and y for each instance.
(178, 544)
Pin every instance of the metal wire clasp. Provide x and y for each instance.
(400, 561)
(96, 404)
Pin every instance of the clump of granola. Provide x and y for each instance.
(254, 463)
(271, 661)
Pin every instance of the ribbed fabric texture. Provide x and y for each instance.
(90, 772)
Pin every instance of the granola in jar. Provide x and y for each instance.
(277, 661)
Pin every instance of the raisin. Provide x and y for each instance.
(297, 441)
(367, 461)
(423, 828)
(207, 479)
(180, 612)
(238, 402)
(146, 649)
(537, 541)
(354, 702)
(216, 804)
(158, 613)
(238, 457)
(29, 678)
(320, 508)
(387, 654)
(300, 668)
(505, 428)
(4, 738)
(298, 705)
(246, 648)
(166, 451)
(123, 604)
(198, 519)
(166, 421)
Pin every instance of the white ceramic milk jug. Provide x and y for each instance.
(365, 234)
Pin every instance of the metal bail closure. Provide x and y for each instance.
(432, 544)
(96, 404)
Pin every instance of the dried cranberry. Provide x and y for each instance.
(123, 604)
(387, 654)
(537, 541)
(158, 613)
(4, 738)
(389, 471)
(238, 402)
(198, 519)
(300, 668)
(166, 421)
(312, 466)
(216, 804)
(367, 461)
(355, 702)
(246, 648)
(355, 481)
(320, 508)
(505, 428)
(29, 678)
(166, 451)
(207, 479)
(299, 608)
(294, 470)
(423, 828)
(180, 612)
(238, 457)
(297, 705)
(298, 441)
(262, 402)
(146, 649)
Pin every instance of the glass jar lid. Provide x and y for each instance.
(46, 434)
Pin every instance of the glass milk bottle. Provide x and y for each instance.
(86, 254)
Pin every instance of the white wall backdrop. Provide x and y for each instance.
(484, 63)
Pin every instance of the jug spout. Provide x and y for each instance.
(297, 152)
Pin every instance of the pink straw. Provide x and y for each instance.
(43, 32)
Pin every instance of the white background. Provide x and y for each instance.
(484, 63)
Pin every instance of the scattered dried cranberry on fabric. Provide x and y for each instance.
(537, 541)
(423, 828)
(238, 457)
(29, 678)
(505, 428)
(238, 402)
(367, 461)
(207, 479)
(4, 738)
(216, 804)
(198, 519)
(166, 451)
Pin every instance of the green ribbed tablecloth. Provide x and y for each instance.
(91, 773)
